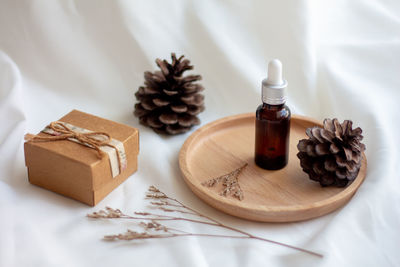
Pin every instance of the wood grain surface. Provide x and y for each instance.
(270, 196)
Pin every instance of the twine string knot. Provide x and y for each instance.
(94, 140)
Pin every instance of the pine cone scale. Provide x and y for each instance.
(163, 66)
(330, 165)
(316, 132)
(140, 111)
(154, 122)
(322, 149)
(333, 148)
(160, 102)
(148, 104)
(170, 118)
(327, 135)
(170, 92)
(179, 108)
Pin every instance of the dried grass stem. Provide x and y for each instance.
(153, 225)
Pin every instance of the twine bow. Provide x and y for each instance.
(94, 140)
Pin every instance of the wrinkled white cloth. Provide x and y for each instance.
(341, 59)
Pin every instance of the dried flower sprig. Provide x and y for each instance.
(229, 182)
(106, 213)
(153, 228)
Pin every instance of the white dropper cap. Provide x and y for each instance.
(273, 87)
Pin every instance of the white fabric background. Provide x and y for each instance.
(341, 58)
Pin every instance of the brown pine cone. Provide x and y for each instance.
(332, 155)
(168, 101)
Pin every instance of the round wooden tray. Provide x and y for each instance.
(285, 195)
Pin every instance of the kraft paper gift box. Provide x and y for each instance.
(82, 171)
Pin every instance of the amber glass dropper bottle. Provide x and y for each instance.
(272, 121)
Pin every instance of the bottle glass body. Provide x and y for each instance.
(272, 136)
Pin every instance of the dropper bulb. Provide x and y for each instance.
(273, 87)
(275, 72)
